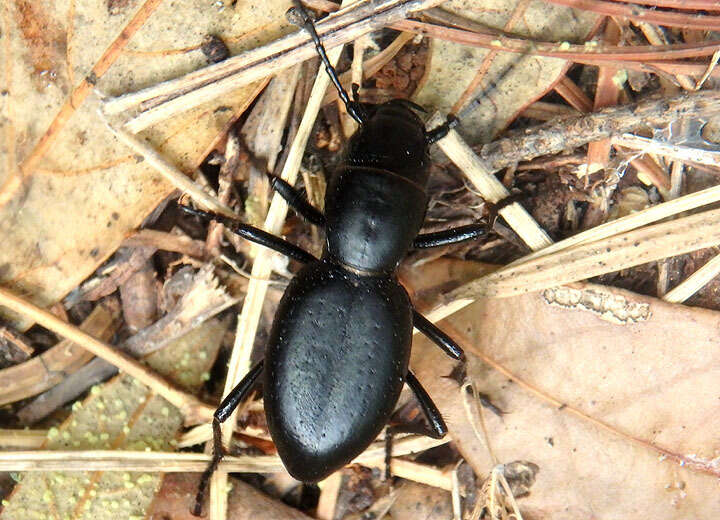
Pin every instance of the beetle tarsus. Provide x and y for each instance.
(438, 428)
(218, 454)
(226, 408)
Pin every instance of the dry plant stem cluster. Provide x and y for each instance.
(167, 462)
(161, 101)
(191, 407)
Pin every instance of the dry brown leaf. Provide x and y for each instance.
(643, 372)
(420, 502)
(69, 191)
(509, 81)
(176, 498)
(120, 414)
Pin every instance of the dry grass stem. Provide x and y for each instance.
(175, 96)
(22, 439)
(329, 491)
(630, 222)
(600, 257)
(190, 406)
(166, 462)
(671, 151)
(171, 173)
(491, 188)
(694, 282)
(421, 473)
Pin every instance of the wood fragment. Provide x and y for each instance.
(42, 372)
(160, 240)
(555, 137)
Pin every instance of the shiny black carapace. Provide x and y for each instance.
(338, 352)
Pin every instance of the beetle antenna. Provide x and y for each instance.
(299, 16)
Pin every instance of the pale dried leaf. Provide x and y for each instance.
(511, 81)
(647, 369)
(71, 206)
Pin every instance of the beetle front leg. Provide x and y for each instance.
(226, 408)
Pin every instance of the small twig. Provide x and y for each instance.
(671, 151)
(491, 188)
(608, 55)
(555, 137)
(666, 18)
(191, 407)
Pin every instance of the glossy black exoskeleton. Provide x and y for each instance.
(338, 352)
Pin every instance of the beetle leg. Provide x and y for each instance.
(442, 340)
(437, 133)
(256, 235)
(438, 428)
(296, 201)
(449, 236)
(226, 408)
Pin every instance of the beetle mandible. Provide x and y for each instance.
(338, 352)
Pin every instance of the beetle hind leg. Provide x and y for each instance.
(226, 408)
(438, 428)
(442, 340)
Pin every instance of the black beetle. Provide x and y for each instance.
(338, 352)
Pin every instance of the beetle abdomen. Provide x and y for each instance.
(334, 368)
